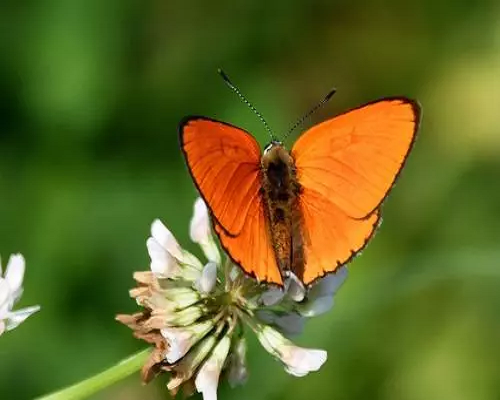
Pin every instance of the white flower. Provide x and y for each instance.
(207, 379)
(288, 323)
(298, 361)
(201, 233)
(180, 340)
(272, 296)
(208, 278)
(168, 259)
(195, 314)
(238, 373)
(294, 287)
(320, 296)
(187, 365)
(10, 292)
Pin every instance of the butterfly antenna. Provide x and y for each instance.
(243, 98)
(300, 121)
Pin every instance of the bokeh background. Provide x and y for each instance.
(90, 96)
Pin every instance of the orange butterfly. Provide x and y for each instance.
(307, 211)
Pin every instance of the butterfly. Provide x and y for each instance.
(307, 211)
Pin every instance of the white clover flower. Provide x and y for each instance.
(200, 231)
(238, 373)
(207, 377)
(10, 292)
(168, 259)
(320, 296)
(181, 339)
(298, 361)
(194, 313)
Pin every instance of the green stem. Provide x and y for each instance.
(102, 380)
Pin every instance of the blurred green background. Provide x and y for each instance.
(90, 96)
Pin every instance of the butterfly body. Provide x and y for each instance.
(309, 210)
(280, 195)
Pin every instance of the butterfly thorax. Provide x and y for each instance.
(280, 190)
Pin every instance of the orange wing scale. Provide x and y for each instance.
(224, 162)
(346, 167)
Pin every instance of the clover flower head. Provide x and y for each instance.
(195, 313)
(11, 289)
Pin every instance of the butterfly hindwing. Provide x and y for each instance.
(252, 248)
(330, 237)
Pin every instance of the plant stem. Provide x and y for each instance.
(89, 386)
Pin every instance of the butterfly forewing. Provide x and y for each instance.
(224, 162)
(354, 158)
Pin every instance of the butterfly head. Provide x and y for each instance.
(275, 152)
(277, 164)
(272, 147)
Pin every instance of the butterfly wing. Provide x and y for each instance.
(355, 158)
(224, 162)
(330, 237)
(252, 248)
(346, 167)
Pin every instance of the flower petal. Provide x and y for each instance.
(329, 284)
(17, 317)
(199, 229)
(207, 379)
(5, 298)
(187, 365)
(180, 297)
(185, 317)
(166, 239)
(180, 340)
(298, 361)
(238, 373)
(206, 282)
(272, 296)
(163, 264)
(288, 323)
(201, 232)
(14, 274)
(320, 297)
(316, 307)
(294, 288)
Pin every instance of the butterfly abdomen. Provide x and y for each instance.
(280, 190)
